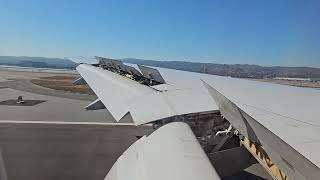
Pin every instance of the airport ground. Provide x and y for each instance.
(305, 84)
(77, 144)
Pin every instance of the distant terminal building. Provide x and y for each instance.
(293, 79)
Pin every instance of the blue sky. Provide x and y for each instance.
(266, 32)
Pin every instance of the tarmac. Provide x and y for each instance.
(58, 105)
(27, 86)
(39, 150)
(57, 138)
(52, 109)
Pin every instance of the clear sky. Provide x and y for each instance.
(266, 32)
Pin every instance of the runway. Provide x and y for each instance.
(62, 150)
(57, 138)
(27, 86)
(58, 105)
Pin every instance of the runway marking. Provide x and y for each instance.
(67, 122)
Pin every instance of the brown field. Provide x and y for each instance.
(293, 83)
(62, 83)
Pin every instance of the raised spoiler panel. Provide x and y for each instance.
(151, 73)
(171, 152)
(121, 95)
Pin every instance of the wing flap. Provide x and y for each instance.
(171, 152)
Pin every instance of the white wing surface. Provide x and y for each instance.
(113, 90)
(171, 152)
(291, 113)
(295, 165)
(121, 96)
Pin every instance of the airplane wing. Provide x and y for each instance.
(122, 95)
(287, 116)
(282, 120)
(286, 157)
(171, 152)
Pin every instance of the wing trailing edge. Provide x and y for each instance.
(171, 152)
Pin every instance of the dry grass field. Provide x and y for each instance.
(62, 83)
(292, 83)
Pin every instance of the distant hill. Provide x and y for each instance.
(233, 70)
(38, 62)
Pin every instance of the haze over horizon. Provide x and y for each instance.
(271, 33)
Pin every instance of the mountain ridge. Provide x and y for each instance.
(38, 62)
(233, 70)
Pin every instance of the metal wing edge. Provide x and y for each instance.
(295, 165)
(171, 152)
